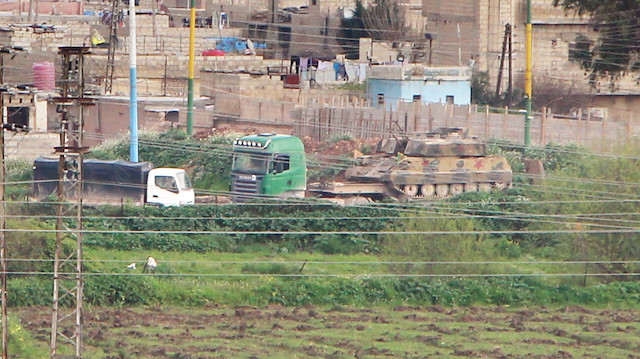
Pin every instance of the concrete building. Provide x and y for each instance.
(473, 31)
(389, 84)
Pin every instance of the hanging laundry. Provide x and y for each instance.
(336, 69)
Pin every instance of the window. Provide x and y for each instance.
(417, 98)
(450, 99)
(280, 163)
(380, 99)
(18, 116)
(183, 181)
(250, 162)
(167, 182)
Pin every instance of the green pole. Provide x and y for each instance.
(527, 78)
(192, 51)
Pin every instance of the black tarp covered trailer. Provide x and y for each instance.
(103, 181)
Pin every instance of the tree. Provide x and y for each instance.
(352, 31)
(381, 20)
(617, 21)
(385, 20)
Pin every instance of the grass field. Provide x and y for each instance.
(348, 332)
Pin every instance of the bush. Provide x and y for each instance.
(119, 290)
(37, 248)
(30, 291)
(312, 217)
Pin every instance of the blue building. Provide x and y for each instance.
(389, 84)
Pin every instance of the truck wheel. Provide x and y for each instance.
(471, 187)
(411, 190)
(484, 187)
(456, 189)
(442, 190)
(500, 185)
(428, 190)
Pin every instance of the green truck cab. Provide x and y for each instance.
(268, 165)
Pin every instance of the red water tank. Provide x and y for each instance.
(44, 76)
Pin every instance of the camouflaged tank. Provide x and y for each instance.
(445, 163)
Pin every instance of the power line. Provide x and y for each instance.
(352, 276)
(379, 233)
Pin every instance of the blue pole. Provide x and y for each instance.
(133, 115)
(133, 91)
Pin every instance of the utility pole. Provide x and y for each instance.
(507, 30)
(133, 87)
(3, 240)
(192, 55)
(3, 223)
(68, 277)
(527, 77)
(510, 86)
(111, 52)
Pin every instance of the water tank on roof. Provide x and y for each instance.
(44, 76)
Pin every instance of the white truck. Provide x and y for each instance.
(117, 182)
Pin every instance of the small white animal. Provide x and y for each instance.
(151, 264)
(131, 266)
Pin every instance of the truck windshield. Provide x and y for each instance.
(250, 162)
(183, 181)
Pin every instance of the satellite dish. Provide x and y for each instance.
(252, 49)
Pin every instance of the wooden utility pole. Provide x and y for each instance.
(505, 42)
(510, 86)
(3, 240)
(3, 175)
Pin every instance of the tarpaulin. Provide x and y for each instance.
(102, 180)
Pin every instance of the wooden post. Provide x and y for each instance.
(468, 120)
(430, 119)
(446, 115)
(586, 132)
(543, 128)
(629, 126)
(453, 115)
(486, 122)
(603, 130)
(505, 119)
(329, 133)
(384, 117)
(314, 125)
(360, 122)
(579, 127)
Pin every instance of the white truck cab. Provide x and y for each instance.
(169, 187)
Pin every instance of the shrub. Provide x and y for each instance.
(119, 290)
(37, 248)
(30, 291)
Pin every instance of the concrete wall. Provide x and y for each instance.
(394, 91)
(432, 84)
(37, 104)
(109, 117)
(482, 26)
